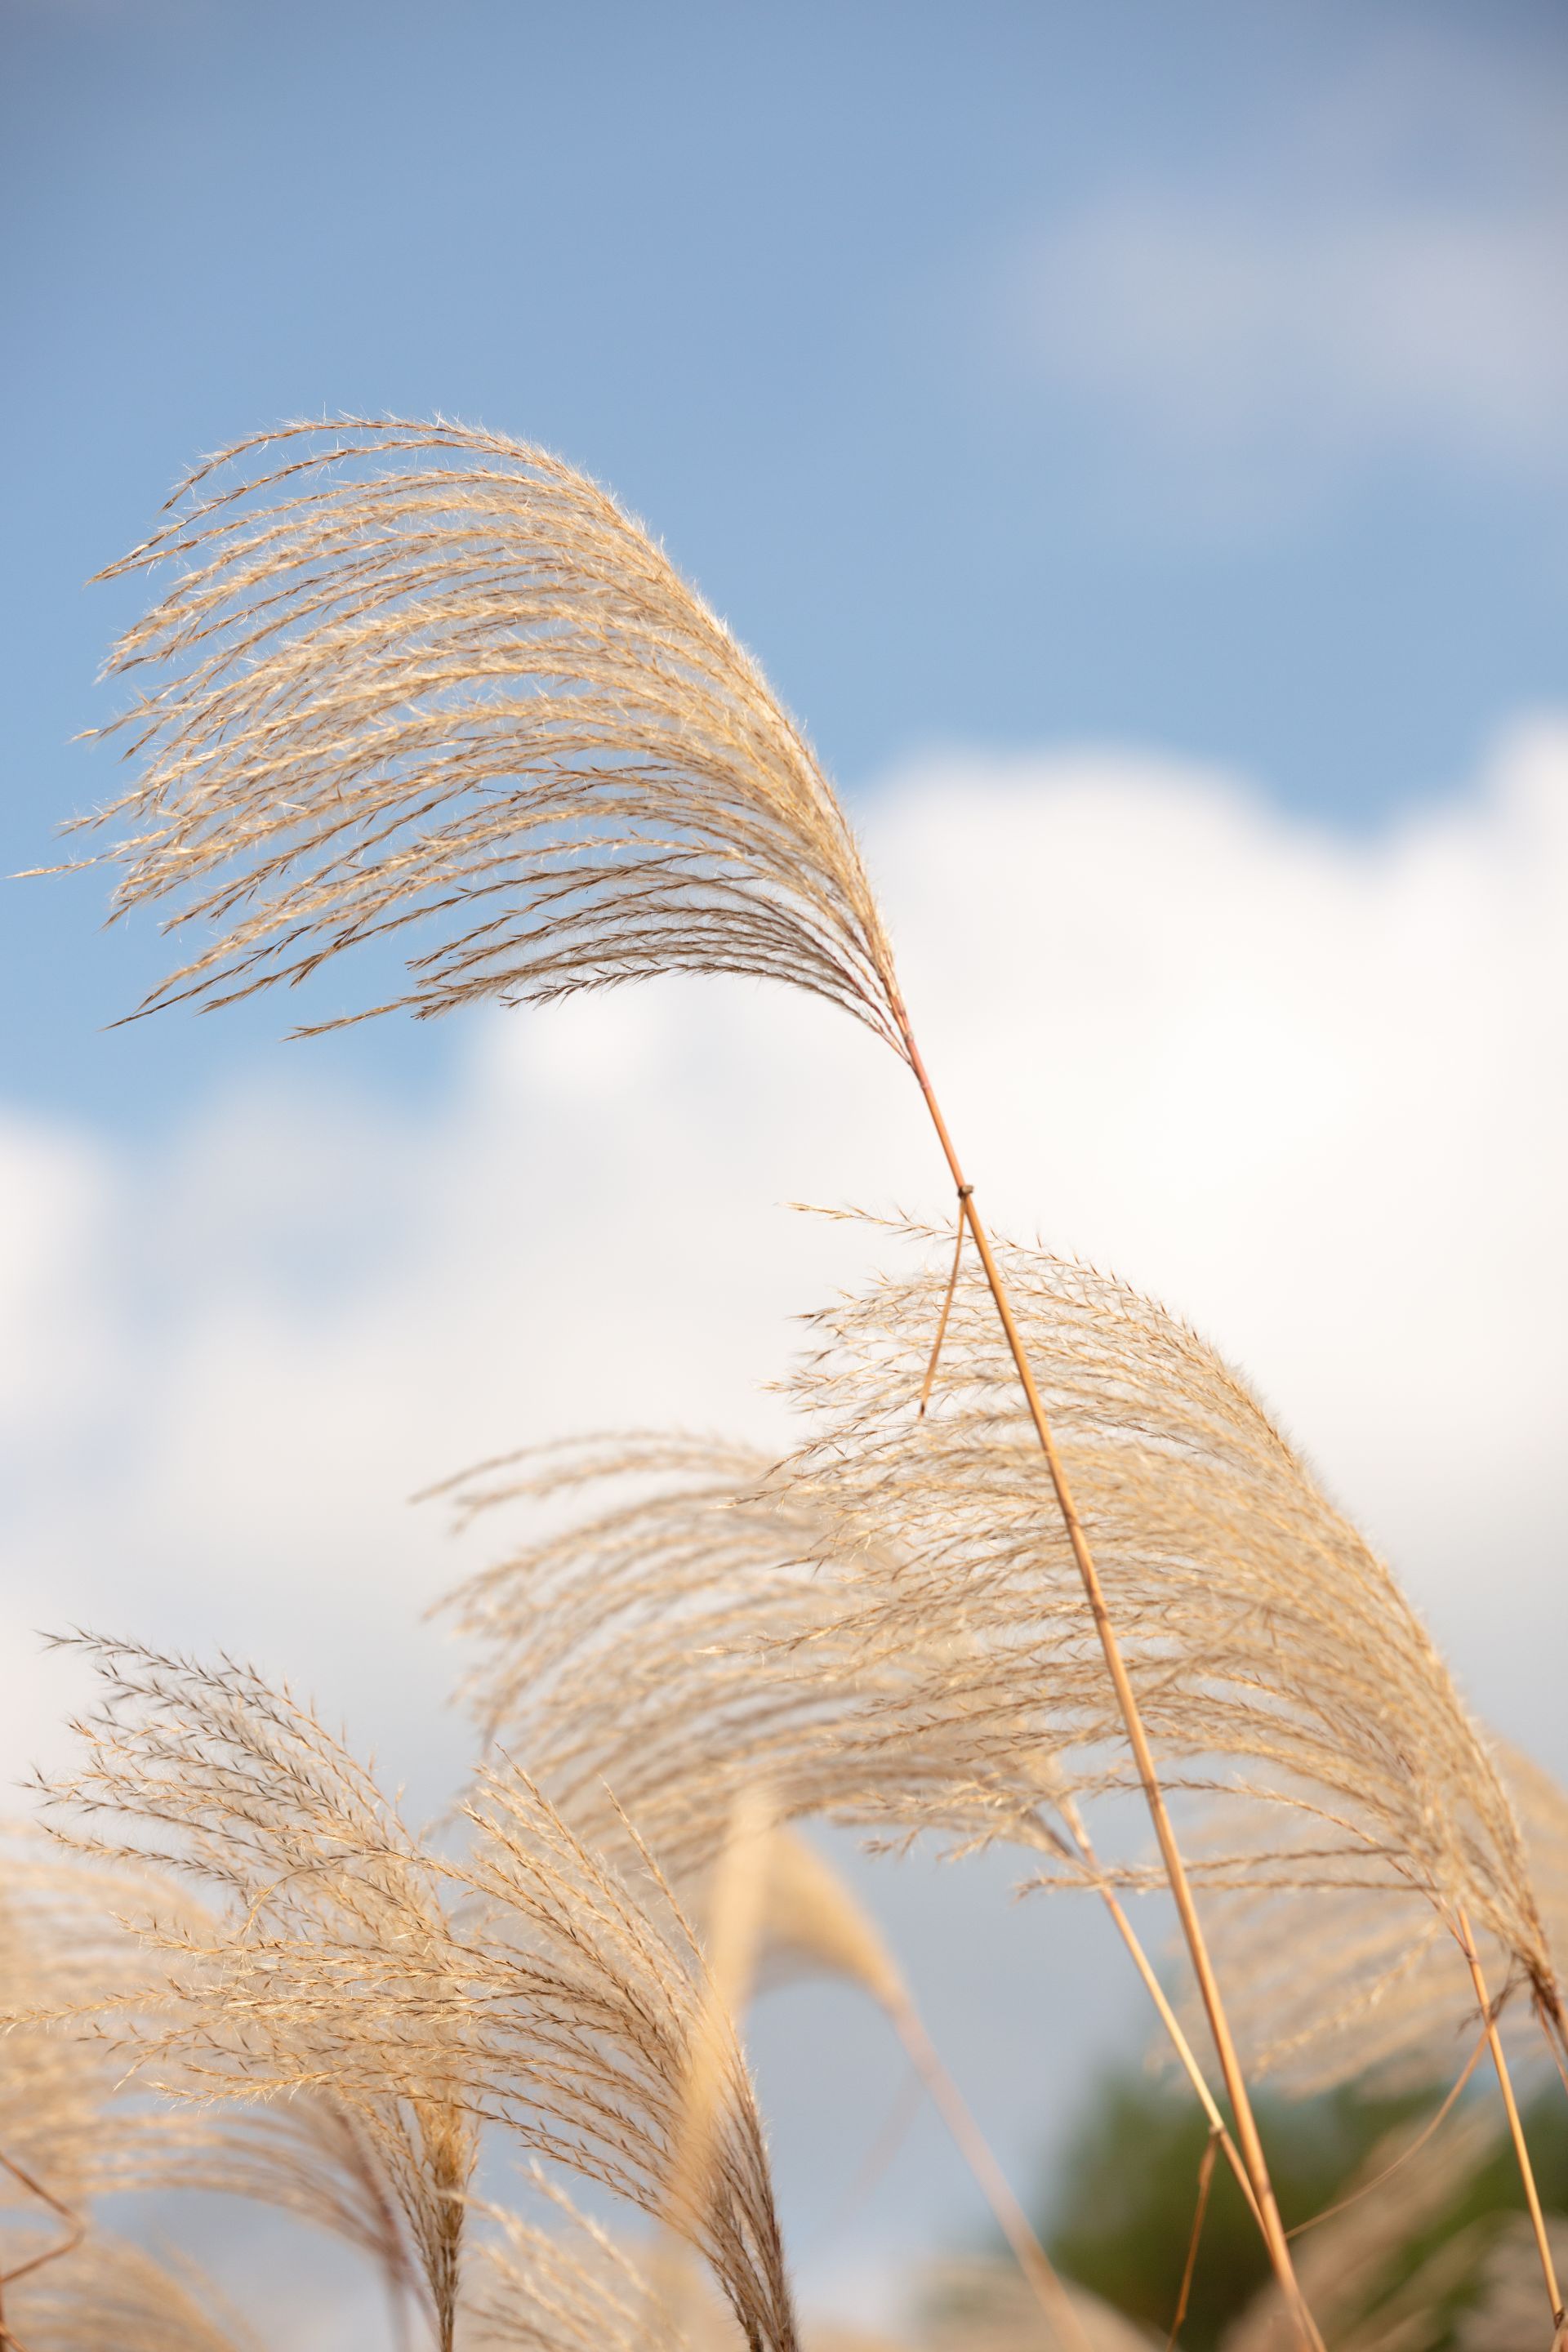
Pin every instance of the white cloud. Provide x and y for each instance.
(1307, 1087)
(1364, 271)
(1281, 332)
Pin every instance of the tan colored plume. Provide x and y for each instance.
(1275, 1657)
(518, 1982)
(690, 1619)
(1506, 2314)
(1359, 1982)
(111, 2294)
(982, 2305)
(428, 683)
(1355, 2265)
(651, 1654)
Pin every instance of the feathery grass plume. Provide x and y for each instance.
(64, 2133)
(425, 676)
(210, 1775)
(587, 2042)
(518, 1982)
(694, 1622)
(52, 2088)
(687, 1618)
(1355, 2265)
(646, 1657)
(1263, 1629)
(1268, 1641)
(111, 2294)
(1359, 1982)
(983, 2306)
(70, 2132)
(461, 687)
(1505, 2315)
(568, 2285)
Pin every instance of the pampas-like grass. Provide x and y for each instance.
(111, 2296)
(428, 679)
(423, 676)
(1352, 2264)
(714, 1616)
(563, 2284)
(330, 1907)
(982, 2305)
(1505, 2315)
(681, 1627)
(71, 2132)
(686, 1628)
(519, 1982)
(464, 687)
(1274, 1653)
(1264, 1632)
(696, 1621)
(1359, 1982)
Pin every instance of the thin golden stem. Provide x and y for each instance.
(1078, 1830)
(1183, 2050)
(1205, 2179)
(1143, 1757)
(1505, 2082)
(1031, 2256)
(1551, 2044)
(942, 1318)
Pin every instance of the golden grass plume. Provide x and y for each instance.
(1359, 1982)
(109, 2293)
(423, 677)
(517, 1983)
(688, 1618)
(1274, 1656)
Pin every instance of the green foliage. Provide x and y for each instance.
(1124, 2213)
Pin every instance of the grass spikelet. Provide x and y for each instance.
(427, 678)
(690, 1620)
(1506, 2314)
(518, 1982)
(1273, 1651)
(563, 2284)
(983, 2306)
(1354, 2267)
(109, 2293)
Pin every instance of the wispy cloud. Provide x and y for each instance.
(1415, 328)
(1303, 1086)
(1379, 278)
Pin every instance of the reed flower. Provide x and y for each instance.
(429, 683)
(519, 1983)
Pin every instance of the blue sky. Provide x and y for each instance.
(1135, 440)
(1195, 379)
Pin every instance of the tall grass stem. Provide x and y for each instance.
(1175, 1869)
(1516, 2129)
